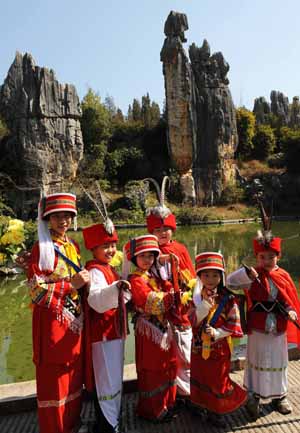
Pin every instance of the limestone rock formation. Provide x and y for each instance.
(201, 118)
(295, 113)
(261, 110)
(280, 106)
(45, 144)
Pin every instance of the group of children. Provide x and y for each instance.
(183, 346)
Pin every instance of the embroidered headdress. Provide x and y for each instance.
(140, 245)
(204, 261)
(160, 215)
(59, 202)
(135, 247)
(98, 234)
(265, 240)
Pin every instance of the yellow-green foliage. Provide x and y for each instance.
(246, 129)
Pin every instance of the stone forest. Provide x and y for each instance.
(214, 153)
(171, 201)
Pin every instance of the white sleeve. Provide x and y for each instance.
(220, 333)
(202, 310)
(238, 280)
(102, 297)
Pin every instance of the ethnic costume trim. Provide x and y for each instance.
(208, 389)
(269, 369)
(160, 337)
(59, 403)
(109, 397)
(161, 388)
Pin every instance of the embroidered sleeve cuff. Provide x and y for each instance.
(220, 333)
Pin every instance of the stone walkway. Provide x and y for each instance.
(269, 422)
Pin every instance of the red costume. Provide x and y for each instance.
(287, 296)
(106, 327)
(161, 217)
(57, 319)
(154, 349)
(211, 386)
(57, 336)
(187, 272)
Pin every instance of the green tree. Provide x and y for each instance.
(263, 141)
(136, 111)
(96, 130)
(110, 105)
(246, 130)
(129, 113)
(290, 140)
(146, 110)
(155, 113)
(95, 121)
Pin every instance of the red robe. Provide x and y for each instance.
(211, 386)
(57, 343)
(156, 367)
(99, 326)
(287, 296)
(185, 264)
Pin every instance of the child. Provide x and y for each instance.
(55, 280)
(155, 352)
(270, 289)
(106, 324)
(215, 320)
(162, 223)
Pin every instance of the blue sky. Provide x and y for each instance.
(113, 46)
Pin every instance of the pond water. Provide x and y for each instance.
(234, 241)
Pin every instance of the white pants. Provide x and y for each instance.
(108, 363)
(267, 364)
(183, 341)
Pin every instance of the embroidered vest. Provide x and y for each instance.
(103, 325)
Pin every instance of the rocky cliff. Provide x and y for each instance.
(45, 143)
(201, 118)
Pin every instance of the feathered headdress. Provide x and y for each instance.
(265, 240)
(265, 235)
(160, 210)
(160, 215)
(98, 200)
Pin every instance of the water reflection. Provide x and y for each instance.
(235, 242)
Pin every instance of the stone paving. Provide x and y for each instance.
(185, 422)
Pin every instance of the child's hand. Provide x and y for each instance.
(209, 330)
(252, 274)
(124, 285)
(293, 315)
(80, 279)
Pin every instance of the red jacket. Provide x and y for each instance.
(185, 263)
(287, 296)
(56, 335)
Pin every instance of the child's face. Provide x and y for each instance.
(210, 278)
(60, 222)
(145, 260)
(267, 260)
(164, 234)
(105, 252)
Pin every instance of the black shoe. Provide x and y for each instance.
(253, 407)
(282, 405)
(196, 410)
(216, 420)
